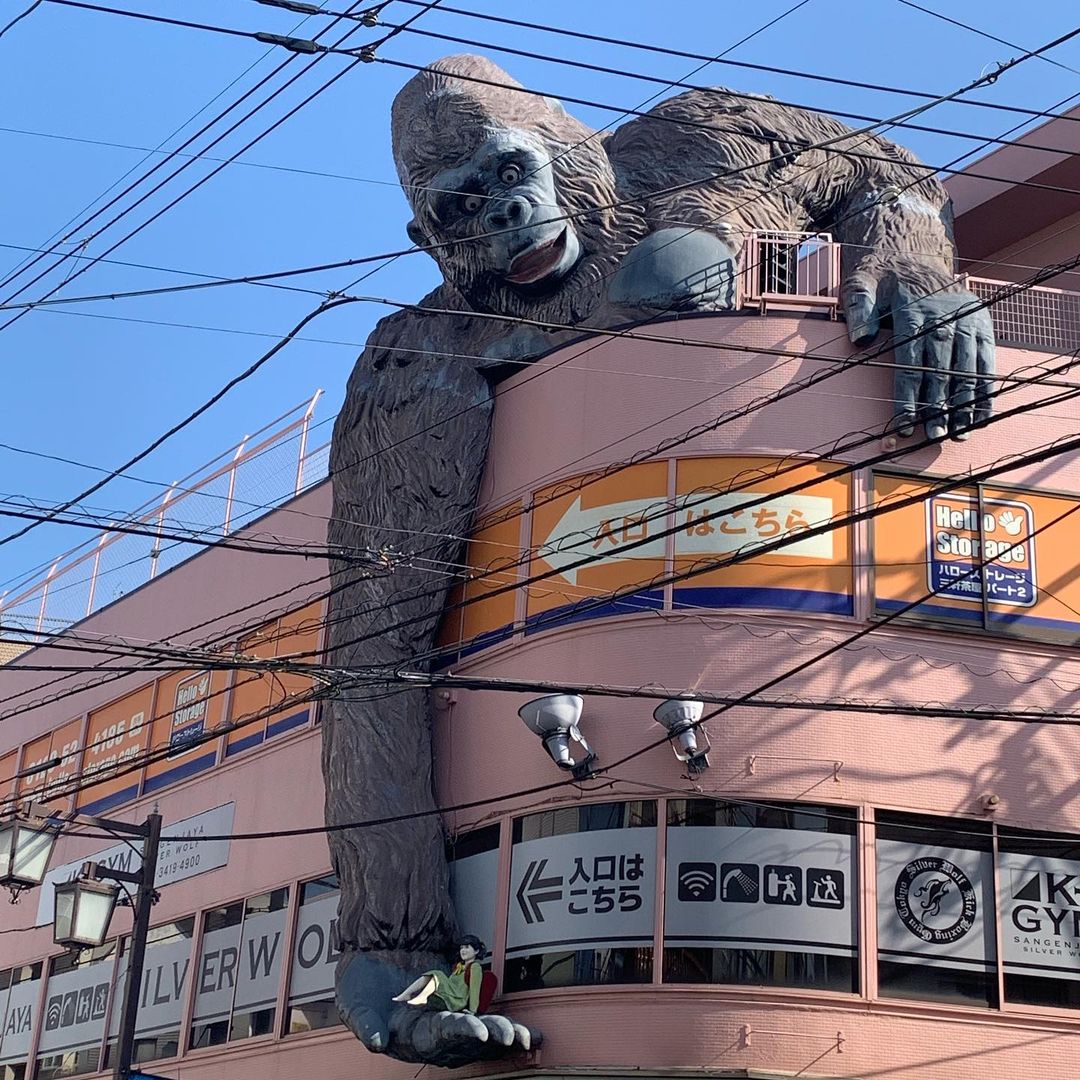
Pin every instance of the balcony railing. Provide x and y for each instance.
(794, 271)
(260, 472)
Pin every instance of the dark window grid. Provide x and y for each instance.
(802, 817)
(591, 817)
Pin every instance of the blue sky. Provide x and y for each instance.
(98, 381)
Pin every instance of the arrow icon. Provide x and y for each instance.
(610, 525)
(535, 890)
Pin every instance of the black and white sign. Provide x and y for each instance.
(76, 1002)
(1040, 915)
(752, 888)
(590, 890)
(240, 975)
(178, 859)
(166, 975)
(18, 1006)
(935, 905)
(315, 951)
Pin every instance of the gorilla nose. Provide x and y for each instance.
(508, 213)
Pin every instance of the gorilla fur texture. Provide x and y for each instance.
(534, 217)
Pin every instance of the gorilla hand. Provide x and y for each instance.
(366, 984)
(676, 270)
(944, 352)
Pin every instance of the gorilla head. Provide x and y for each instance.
(477, 159)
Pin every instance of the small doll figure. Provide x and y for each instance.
(457, 992)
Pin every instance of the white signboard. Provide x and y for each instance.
(754, 888)
(1040, 915)
(315, 952)
(75, 1006)
(589, 890)
(935, 905)
(178, 859)
(249, 970)
(20, 1001)
(473, 881)
(164, 988)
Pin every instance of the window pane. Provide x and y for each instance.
(936, 937)
(75, 1005)
(163, 993)
(583, 881)
(18, 1002)
(311, 986)
(474, 868)
(259, 971)
(215, 975)
(1039, 877)
(761, 895)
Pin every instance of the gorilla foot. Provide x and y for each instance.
(366, 985)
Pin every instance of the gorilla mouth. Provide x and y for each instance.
(538, 262)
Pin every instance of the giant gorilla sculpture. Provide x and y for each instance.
(532, 215)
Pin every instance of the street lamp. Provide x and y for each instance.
(85, 905)
(84, 908)
(682, 719)
(25, 850)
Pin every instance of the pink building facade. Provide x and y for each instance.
(873, 878)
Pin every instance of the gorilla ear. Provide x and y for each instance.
(555, 105)
(416, 234)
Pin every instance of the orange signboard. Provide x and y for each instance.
(115, 737)
(600, 537)
(492, 561)
(726, 508)
(931, 551)
(45, 782)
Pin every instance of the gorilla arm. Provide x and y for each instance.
(407, 458)
(759, 165)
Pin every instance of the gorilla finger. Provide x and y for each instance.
(500, 1030)
(525, 1037)
(962, 396)
(463, 1026)
(985, 364)
(863, 323)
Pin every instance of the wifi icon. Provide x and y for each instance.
(697, 882)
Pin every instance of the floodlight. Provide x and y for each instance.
(555, 720)
(681, 717)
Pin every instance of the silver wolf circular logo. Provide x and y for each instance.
(935, 900)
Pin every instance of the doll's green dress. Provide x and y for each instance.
(458, 990)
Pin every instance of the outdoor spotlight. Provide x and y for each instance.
(555, 720)
(25, 849)
(84, 910)
(681, 717)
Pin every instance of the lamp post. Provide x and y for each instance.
(84, 906)
(145, 896)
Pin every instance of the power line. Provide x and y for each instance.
(9, 278)
(659, 50)
(22, 15)
(724, 92)
(179, 426)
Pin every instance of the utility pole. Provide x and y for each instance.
(145, 898)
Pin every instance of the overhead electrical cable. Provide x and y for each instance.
(86, 222)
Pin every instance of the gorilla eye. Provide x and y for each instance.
(471, 204)
(510, 175)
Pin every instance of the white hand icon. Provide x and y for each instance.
(1011, 523)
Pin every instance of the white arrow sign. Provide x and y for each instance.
(600, 531)
(705, 528)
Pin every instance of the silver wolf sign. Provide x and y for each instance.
(537, 220)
